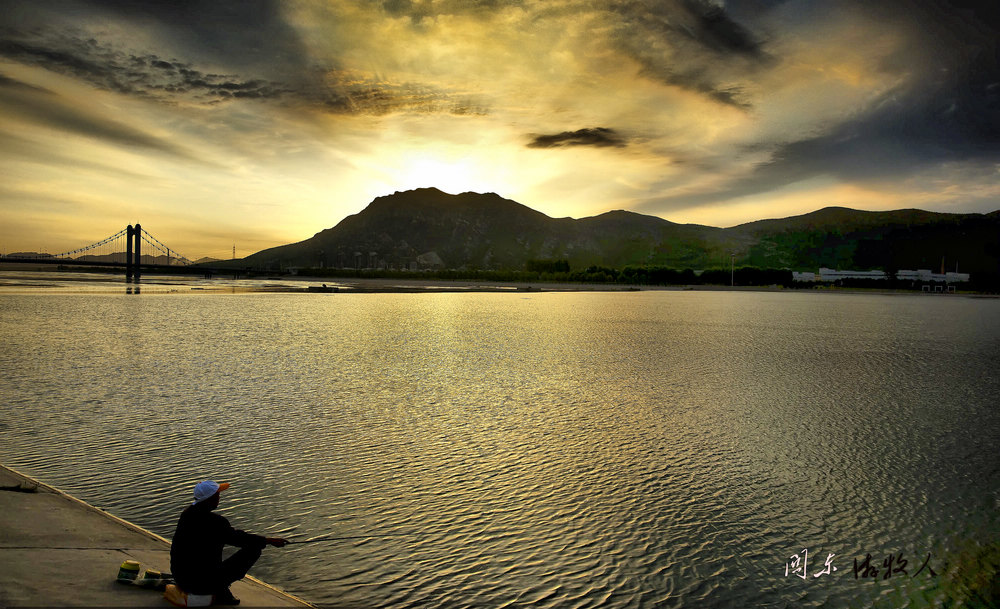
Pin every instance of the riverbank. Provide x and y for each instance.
(26, 280)
(57, 551)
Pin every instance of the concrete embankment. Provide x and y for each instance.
(57, 551)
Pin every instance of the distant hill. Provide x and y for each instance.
(27, 255)
(119, 258)
(115, 258)
(838, 237)
(427, 228)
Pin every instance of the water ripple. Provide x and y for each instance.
(587, 450)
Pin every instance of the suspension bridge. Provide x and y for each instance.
(122, 249)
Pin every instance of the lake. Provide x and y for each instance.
(639, 449)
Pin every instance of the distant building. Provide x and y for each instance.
(922, 275)
(928, 276)
(826, 274)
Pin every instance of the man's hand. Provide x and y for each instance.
(276, 542)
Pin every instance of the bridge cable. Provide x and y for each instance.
(92, 246)
(163, 248)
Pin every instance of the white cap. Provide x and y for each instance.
(206, 489)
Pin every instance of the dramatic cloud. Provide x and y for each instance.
(10, 83)
(418, 10)
(599, 136)
(292, 115)
(147, 76)
(30, 103)
(248, 36)
(691, 44)
(174, 81)
(945, 109)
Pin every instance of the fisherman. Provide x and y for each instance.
(196, 552)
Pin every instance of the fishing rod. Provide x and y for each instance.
(349, 537)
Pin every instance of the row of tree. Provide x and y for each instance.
(558, 271)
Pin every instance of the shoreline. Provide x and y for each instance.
(37, 280)
(57, 550)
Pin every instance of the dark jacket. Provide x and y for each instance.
(196, 550)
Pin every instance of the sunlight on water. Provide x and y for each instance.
(651, 449)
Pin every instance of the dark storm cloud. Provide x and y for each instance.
(149, 76)
(949, 107)
(598, 136)
(691, 44)
(948, 111)
(711, 26)
(130, 74)
(264, 54)
(245, 36)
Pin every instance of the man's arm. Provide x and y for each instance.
(235, 537)
(242, 539)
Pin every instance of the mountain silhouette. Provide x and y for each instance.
(427, 228)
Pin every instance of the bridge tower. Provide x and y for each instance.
(138, 251)
(129, 232)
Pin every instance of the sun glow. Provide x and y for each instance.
(451, 173)
(451, 176)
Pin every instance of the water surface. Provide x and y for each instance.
(649, 449)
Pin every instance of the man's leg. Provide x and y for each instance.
(235, 568)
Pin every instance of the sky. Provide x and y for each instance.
(257, 123)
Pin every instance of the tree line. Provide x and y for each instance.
(559, 271)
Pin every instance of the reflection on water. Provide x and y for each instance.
(76, 282)
(641, 449)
